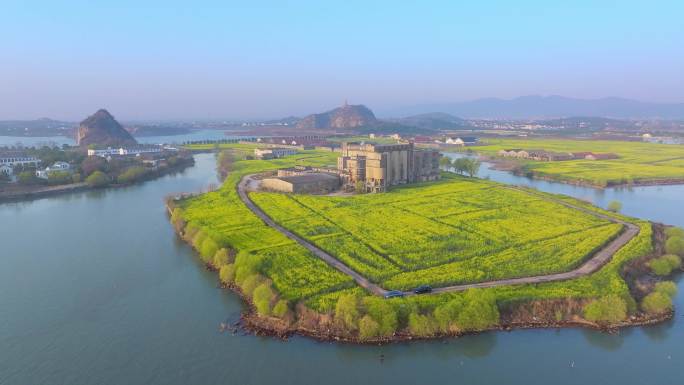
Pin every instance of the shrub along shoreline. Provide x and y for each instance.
(291, 292)
(96, 180)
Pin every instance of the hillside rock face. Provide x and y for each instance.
(102, 129)
(345, 117)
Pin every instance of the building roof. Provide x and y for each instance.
(469, 139)
(308, 178)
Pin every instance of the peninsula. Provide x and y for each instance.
(418, 259)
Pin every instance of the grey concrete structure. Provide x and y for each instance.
(379, 166)
(311, 183)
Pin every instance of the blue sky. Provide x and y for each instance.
(252, 59)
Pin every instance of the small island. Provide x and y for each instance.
(427, 255)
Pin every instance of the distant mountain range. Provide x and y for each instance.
(538, 107)
(432, 121)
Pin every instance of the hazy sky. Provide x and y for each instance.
(248, 59)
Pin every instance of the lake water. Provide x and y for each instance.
(39, 141)
(96, 289)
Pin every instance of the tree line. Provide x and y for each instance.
(463, 166)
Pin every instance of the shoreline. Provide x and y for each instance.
(260, 326)
(503, 165)
(50, 191)
(250, 321)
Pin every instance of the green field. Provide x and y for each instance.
(638, 162)
(453, 231)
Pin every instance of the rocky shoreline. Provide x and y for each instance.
(526, 315)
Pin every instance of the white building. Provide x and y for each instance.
(56, 167)
(16, 158)
(125, 151)
(275, 152)
(455, 141)
(6, 170)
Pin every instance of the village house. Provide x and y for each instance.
(462, 141)
(514, 153)
(56, 167)
(6, 170)
(15, 158)
(127, 151)
(455, 141)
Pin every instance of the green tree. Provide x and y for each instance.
(459, 165)
(472, 166)
(208, 249)
(59, 177)
(383, 313)
(227, 273)
(347, 311)
(675, 245)
(674, 232)
(198, 239)
(28, 178)
(422, 325)
(280, 309)
(656, 302)
(479, 311)
(263, 294)
(445, 162)
(614, 206)
(446, 314)
(666, 287)
(190, 231)
(221, 258)
(368, 328)
(97, 179)
(250, 283)
(131, 175)
(246, 265)
(664, 265)
(608, 309)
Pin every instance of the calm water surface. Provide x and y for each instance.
(96, 289)
(39, 141)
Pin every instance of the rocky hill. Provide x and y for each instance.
(341, 118)
(102, 129)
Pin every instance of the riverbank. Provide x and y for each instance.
(535, 314)
(516, 168)
(18, 193)
(297, 292)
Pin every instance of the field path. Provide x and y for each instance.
(603, 256)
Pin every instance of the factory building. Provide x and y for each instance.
(379, 166)
(307, 183)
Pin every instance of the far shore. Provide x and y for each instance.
(505, 165)
(18, 193)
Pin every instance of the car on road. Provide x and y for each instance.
(394, 294)
(423, 289)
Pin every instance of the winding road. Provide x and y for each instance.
(603, 256)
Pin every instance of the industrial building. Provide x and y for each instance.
(273, 152)
(310, 183)
(379, 166)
